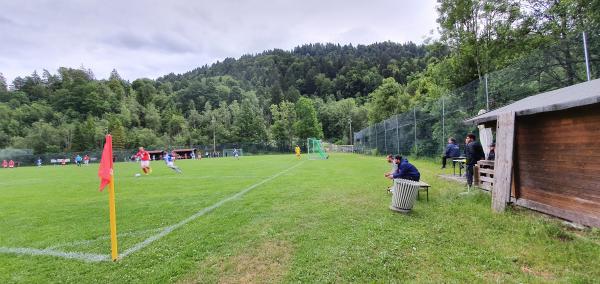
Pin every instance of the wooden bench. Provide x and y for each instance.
(423, 186)
(485, 175)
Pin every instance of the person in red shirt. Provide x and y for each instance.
(11, 164)
(144, 160)
(4, 164)
(86, 160)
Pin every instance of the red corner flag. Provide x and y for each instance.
(106, 163)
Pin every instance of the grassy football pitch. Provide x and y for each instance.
(273, 219)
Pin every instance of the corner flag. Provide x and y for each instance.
(106, 174)
(105, 170)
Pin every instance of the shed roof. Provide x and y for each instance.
(569, 97)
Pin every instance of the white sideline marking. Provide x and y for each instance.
(72, 255)
(171, 228)
(90, 257)
(101, 238)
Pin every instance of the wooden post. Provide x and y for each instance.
(503, 166)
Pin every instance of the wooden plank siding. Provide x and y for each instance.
(503, 165)
(557, 163)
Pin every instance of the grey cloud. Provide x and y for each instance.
(163, 42)
(152, 38)
(6, 21)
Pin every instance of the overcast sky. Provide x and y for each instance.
(154, 38)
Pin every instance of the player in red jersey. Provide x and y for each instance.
(144, 160)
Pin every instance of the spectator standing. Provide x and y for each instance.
(474, 153)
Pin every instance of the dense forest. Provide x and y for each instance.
(283, 96)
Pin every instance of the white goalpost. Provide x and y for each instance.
(314, 149)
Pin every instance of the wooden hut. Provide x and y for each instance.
(184, 153)
(155, 155)
(548, 153)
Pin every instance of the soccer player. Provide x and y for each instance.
(5, 164)
(86, 160)
(78, 160)
(236, 154)
(11, 164)
(170, 161)
(38, 162)
(193, 155)
(297, 150)
(144, 160)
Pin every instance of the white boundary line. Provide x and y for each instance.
(90, 257)
(171, 228)
(101, 238)
(49, 252)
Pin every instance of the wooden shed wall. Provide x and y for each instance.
(557, 163)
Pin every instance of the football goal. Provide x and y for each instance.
(231, 152)
(315, 149)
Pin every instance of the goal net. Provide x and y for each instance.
(315, 149)
(231, 152)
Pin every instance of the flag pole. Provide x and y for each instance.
(113, 218)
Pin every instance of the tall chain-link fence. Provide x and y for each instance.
(424, 130)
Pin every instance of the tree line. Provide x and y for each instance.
(284, 96)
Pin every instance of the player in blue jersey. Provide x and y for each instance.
(170, 161)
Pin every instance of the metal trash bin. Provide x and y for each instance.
(404, 194)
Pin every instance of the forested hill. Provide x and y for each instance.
(276, 96)
(315, 90)
(315, 70)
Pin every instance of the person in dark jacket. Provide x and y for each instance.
(405, 170)
(492, 154)
(473, 153)
(452, 151)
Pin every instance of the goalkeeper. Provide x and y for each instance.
(297, 150)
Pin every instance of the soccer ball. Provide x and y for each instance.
(138, 175)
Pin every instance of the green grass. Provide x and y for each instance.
(324, 221)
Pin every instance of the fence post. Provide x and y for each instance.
(415, 121)
(587, 62)
(376, 138)
(443, 121)
(385, 137)
(398, 133)
(487, 96)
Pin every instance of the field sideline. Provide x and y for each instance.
(274, 219)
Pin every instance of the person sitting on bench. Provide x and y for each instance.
(390, 160)
(452, 151)
(405, 170)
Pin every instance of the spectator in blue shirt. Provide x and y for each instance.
(405, 170)
(452, 151)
